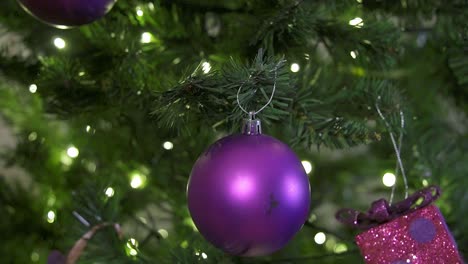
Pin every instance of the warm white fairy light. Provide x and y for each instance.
(295, 67)
(204, 255)
(33, 88)
(425, 183)
(340, 248)
(73, 152)
(320, 238)
(330, 244)
(189, 222)
(206, 67)
(353, 54)
(66, 160)
(109, 192)
(51, 200)
(32, 136)
(34, 256)
(137, 181)
(356, 22)
(91, 166)
(312, 218)
(307, 166)
(60, 43)
(163, 233)
(168, 145)
(51, 216)
(388, 179)
(88, 128)
(139, 12)
(146, 37)
(184, 244)
(132, 244)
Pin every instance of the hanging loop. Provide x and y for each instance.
(253, 113)
(396, 147)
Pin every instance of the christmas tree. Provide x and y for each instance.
(101, 123)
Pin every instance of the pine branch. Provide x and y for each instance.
(210, 96)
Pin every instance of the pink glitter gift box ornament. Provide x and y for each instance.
(407, 232)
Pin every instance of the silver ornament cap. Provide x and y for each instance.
(252, 125)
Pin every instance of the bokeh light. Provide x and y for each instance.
(168, 145)
(295, 67)
(206, 67)
(73, 152)
(320, 238)
(388, 179)
(33, 88)
(60, 43)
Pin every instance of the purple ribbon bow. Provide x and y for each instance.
(381, 212)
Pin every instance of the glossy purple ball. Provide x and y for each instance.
(67, 13)
(248, 194)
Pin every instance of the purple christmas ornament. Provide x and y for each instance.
(67, 13)
(248, 194)
(56, 257)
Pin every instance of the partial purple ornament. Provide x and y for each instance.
(248, 194)
(67, 13)
(56, 257)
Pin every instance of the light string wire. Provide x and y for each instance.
(397, 148)
(253, 113)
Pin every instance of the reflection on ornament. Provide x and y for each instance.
(307, 166)
(242, 187)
